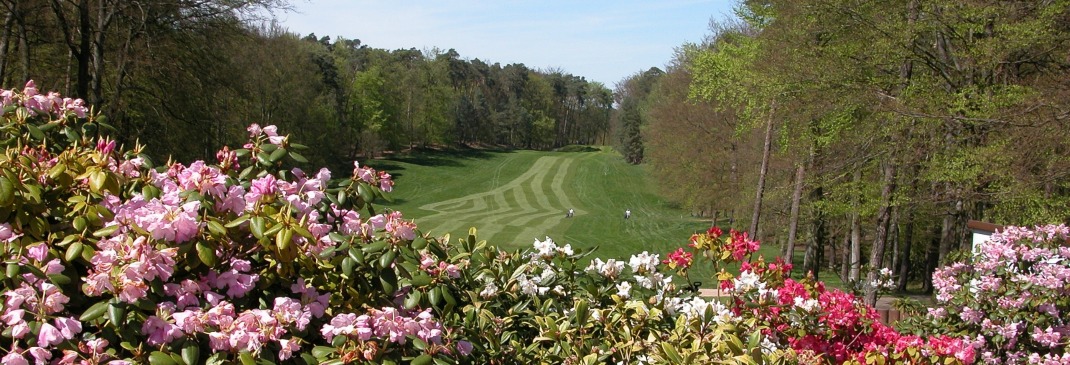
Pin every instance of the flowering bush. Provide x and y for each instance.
(1012, 299)
(816, 324)
(110, 259)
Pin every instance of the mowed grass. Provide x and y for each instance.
(513, 198)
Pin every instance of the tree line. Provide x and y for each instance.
(187, 77)
(869, 133)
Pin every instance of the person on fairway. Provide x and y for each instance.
(627, 213)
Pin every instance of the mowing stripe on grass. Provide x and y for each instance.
(534, 201)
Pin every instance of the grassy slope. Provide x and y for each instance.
(512, 198)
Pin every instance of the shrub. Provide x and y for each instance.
(1011, 298)
(111, 259)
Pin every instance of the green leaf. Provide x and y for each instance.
(418, 343)
(413, 299)
(321, 352)
(35, 132)
(95, 311)
(420, 279)
(347, 266)
(297, 157)
(424, 359)
(59, 279)
(263, 158)
(7, 191)
(74, 251)
(364, 192)
(106, 231)
(116, 313)
(206, 254)
(191, 353)
(97, 180)
(256, 225)
(671, 353)
(276, 155)
(374, 247)
(217, 228)
(387, 258)
(161, 358)
(237, 221)
(246, 358)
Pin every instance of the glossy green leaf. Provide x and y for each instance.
(424, 359)
(95, 311)
(74, 252)
(161, 358)
(206, 253)
(191, 353)
(322, 351)
(7, 191)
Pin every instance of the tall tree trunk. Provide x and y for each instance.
(856, 234)
(948, 232)
(5, 39)
(876, 255)
(24, 50)
(793, 224)
(812, 257)
(905, 265)
(932, 259)
(902, 270)
(761, 174)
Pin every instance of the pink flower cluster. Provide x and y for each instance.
(50, 104)
(434, 267)
(229, 330)
(125, 266)
(271, 132)
(369, 175)
(808, 318)
(385, 324)
(678, 258)
(1012, 296)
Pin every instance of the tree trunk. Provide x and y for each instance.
(856, 234)
(812, 258)
(761, 174)
(793, 224)
(5, 39)
(876, 255)
(903, 269)
(932, 259)
(948, 232)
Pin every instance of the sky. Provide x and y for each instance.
(603, 41)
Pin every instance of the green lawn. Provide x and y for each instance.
(514, 197)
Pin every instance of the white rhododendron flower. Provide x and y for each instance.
(644, 262)
(624, 289)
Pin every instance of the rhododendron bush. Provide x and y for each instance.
(1012, 297)
(112, 259)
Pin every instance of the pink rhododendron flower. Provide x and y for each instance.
(288, 347)
(159, 331)
(14, 358)
(68, 326)
(7, 235)
(48, 335)
(678, 258)
(464, 348)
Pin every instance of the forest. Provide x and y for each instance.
(861, 134)
(188, 76)
(865, 134)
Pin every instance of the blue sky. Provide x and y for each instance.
(604, 41)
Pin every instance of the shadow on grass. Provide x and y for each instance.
(437, 158)
(577, 148)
